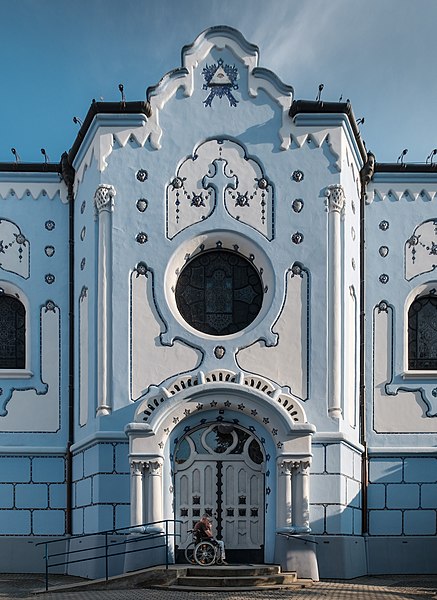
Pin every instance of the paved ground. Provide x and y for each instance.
(393, 587)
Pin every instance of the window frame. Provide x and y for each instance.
(417, 293)
(9, 289)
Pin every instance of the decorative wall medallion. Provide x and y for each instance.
(263, 184)
(82, 264)
(49, 250)
(219, 352)
(241, 199)
(297, 205)
(296, 270)
(83, 233)
(353, 206)
(178, 182)
(220, 81)
(50, 305)
(297, 238)
(49, 278)
(353, 233)
(141, 268)
(353, 264)
(142, 204)
(82, 207)
(297, 176)
(382, 306)
(383, 251)
(142, 175)
(141, 237)
(384, 225)
(50, 225)
(383, 278)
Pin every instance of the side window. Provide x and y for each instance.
(422, 333)
(12, 333)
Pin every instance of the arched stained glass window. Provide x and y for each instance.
(422, 333)
(12, 333)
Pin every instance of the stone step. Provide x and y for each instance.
(226, 581)
(233, 571)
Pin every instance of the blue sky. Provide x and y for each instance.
(58, 55)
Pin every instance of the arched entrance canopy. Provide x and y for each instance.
(220, 395)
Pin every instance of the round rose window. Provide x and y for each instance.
(219, 292)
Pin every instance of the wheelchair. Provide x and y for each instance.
(201, 552)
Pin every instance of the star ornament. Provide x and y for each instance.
(220, 80)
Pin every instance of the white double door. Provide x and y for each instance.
(228, 487)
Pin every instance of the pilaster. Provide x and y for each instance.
(104, 203)
(336, 200)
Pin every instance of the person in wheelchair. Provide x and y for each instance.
(203, 531)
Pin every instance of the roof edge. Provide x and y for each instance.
(314, 107)
(405, 168)
(128, 108)
(20, 167)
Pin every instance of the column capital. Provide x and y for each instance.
(291, 465)
(104, 197)
(137, 467)
(336, 198)
(153, 467)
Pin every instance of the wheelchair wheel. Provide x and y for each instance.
(204, 554)
(189, 553)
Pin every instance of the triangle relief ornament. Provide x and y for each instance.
(220, 80)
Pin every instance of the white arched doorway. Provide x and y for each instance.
(179, 422)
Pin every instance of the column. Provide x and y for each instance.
(153, 469)
(284, 495)
(336, 205)
(104, 202)
(137, 493)
(301, 495)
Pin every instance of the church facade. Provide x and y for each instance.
(218, 301)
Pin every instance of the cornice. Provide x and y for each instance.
(21, 183)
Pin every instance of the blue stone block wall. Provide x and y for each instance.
(335, 493)
(402, 497)
(32, 495)
(101, 487)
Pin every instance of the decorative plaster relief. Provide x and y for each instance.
(336, 198)
(36, 409)
(287, 361)
(400, 194)
(397, 408)
(14, 249)
(220, 171)
(421, 250)
(220, 80)
(146, 326)
(274, 394)
(34, 189)
(192, 56)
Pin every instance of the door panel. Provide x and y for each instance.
(218, 476)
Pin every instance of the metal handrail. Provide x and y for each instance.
(296, 536)
(140, 530)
